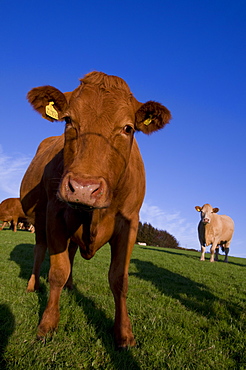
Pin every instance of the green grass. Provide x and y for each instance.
(186, 314)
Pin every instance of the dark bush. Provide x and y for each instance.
(152, 236)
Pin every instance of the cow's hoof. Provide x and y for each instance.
(126, 344)
(30, 290)
(68, 287)
(41, 339)
(122, 349)
(33, 284)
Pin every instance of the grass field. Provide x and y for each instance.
(186, 314)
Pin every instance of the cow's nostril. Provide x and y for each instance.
(71, 187)
(97, 191)
(94, 191)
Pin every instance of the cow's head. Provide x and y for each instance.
(206, 213)
(101, 117)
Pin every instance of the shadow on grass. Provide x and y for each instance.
(172, 251)
(207, 255)
(236, 264)
(23, 255)
(7, 326)
(103, 327)
(194, 296)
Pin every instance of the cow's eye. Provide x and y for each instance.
(127, 129)
(68, 120)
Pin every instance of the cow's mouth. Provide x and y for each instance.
(83, 207)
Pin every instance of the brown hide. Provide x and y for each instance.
(85, 188)
(11, 211)
(215, 230)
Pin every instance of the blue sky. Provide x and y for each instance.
(189, 55)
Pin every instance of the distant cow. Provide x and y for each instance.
(85, 188)
(216, 230)
(11, 211)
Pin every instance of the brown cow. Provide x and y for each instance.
(216, 230)
(11, 211)
(85, 188)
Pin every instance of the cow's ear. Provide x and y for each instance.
(215, 210)
(151, 116)
(48, 101)
(198, 208)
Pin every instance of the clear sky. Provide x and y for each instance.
(188, 55)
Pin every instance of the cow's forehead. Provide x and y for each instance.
(104, 81)
(206, 208)
(93, 100)
(102, 87)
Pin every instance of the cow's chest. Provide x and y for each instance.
(93, 234)
(210, 234)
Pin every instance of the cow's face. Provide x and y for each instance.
(206, 213)
(101, 117)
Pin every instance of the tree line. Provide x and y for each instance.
(154, 237)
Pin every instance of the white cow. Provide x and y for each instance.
(214, 229)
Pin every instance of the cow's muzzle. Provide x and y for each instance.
(87, 193)
(205, 221)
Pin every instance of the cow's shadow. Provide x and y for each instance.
(194, 256)
(103, 327)
(23, 255)
(171, 251)
(7, 327)
(194, 296)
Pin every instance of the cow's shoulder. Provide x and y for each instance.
(50, 144)
(46, 152)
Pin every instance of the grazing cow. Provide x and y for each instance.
(216, 230)
(11, 211)
(85, 188)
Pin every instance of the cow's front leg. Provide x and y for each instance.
(121, 248)
(39, 254)
(212, 250)
(58, 243)
(72, 249)
(58, 275)
(39, 251)
(203, 249)
(3, 225)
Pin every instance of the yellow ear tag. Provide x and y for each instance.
(148, 121)
(50, 110)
